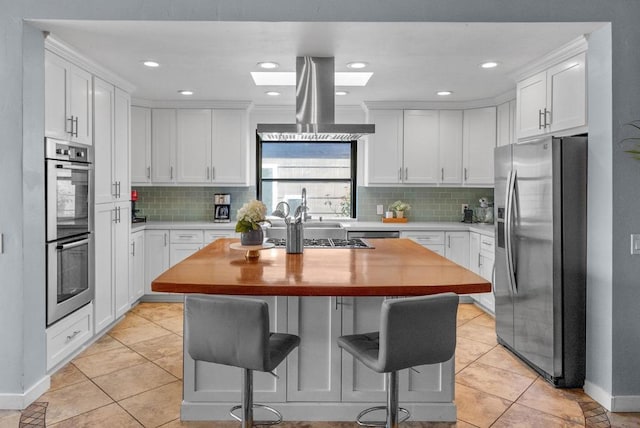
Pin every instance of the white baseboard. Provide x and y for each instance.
(22, 401)
(613, 403)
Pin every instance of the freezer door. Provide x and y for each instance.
(501, 287)
(533, 242)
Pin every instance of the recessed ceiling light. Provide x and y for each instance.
(489, 64)
(288, 78)
(150, 63)
(444, 93)
(269, 65)
(185, 92)
(357, 65)
(272, 93)
(341, 93)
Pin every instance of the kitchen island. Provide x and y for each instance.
(319, 295)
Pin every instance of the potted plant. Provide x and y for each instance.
(250, 218)
(399, 208)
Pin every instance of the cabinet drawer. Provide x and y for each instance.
(68, 335)
(487, 246)
(212, 235)
(185, 236)
(425, 238)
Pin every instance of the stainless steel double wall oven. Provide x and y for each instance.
(69, 175)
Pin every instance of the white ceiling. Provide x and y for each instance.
(410, 61)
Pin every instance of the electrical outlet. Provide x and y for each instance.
(464, 207)
(379, 209)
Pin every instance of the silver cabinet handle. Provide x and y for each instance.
(442, 174)
(213, 173)
(540, 114)
(70, 120)
(479, 260)
(72, 335)
(133, 248)
(185, 236)
(75, 121)
(547, 113)
(466, 175)
(449, 241)
(399, 174)
(208, 173)
(171, 173)
(115, 189)
(406, 173)
(149, 172)
(119, 189)
(165, 239)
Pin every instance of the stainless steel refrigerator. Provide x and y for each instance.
(540, 261)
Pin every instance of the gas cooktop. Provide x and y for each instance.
(325, 243)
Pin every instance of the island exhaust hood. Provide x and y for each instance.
(315, 109)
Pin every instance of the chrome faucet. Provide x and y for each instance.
(305, 208)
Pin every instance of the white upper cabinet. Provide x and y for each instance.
(163, 145)
(122, 145)
(193, 144)
(415, 147)
(450, 146)
(506, 123)
(479, 140)
(230, 147)
(384, 148)
(140, 145)
(68, 99)
(553, 100)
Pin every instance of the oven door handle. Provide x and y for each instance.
(72, 165)
(72, 244)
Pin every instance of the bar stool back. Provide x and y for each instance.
(413, 331)
(235, 332)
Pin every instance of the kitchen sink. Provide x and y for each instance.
(312, 230)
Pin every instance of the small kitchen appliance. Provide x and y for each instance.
(468, 216)
(134, 217)
(221, 208)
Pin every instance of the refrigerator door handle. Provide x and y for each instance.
(511, 189)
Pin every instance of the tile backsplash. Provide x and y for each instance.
(196, 203)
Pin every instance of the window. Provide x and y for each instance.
(327, 170)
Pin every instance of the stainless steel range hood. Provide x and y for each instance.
(315, 108)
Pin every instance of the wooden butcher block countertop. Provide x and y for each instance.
(395, 267)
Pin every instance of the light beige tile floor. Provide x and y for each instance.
(132, 377)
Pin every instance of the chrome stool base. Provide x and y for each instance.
(261, 406)
(406, 416)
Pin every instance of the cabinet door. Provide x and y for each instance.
(457, 247)
(421, 142)
(503, 124)
(531, 100)
(122, 235)
(156, 256)
(140, 145)
(566, 94)
(163, 145)
(313, 368)
(103, 301)
(193, 146)
(80, 101)
(121, 146)
(360, 383)
(230, 147)
(474, 252)
(104, 100)
(450, 146)
(136, 267)
(56, 71)
(479, 140)
(179, 252)
(384, 148)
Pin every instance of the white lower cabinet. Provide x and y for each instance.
(136, 266)
(433, 240)
(453, 245)
(67, 335)
(212, 235)
(112, 235)
(156, 256)
(183, 244)
(313, 368)
(481, 255)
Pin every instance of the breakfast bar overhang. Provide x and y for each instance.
(319, 295)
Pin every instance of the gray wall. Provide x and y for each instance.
(616, 279)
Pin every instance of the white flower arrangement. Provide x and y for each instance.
(251, 216)
(399, 206)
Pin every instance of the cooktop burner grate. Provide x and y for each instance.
(325, 243)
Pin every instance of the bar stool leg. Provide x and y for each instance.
(247, 398)
(392, 400)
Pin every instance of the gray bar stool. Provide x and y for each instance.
(413, 331)
(235, 331)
